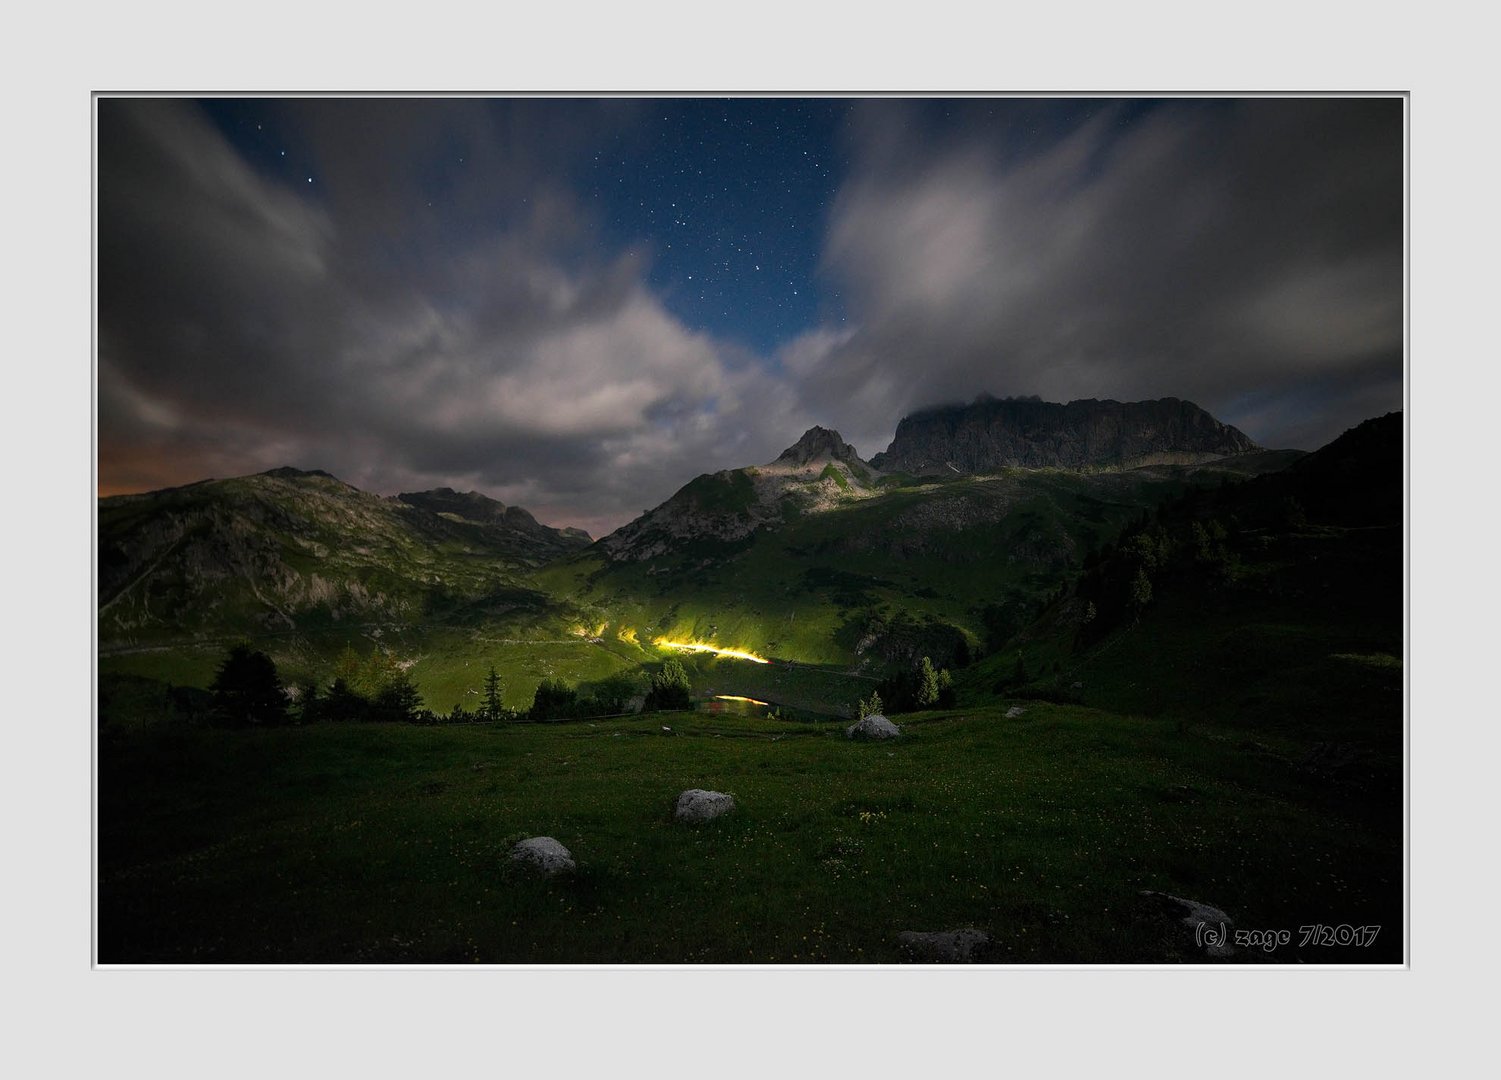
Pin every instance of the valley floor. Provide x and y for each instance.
(373, 843)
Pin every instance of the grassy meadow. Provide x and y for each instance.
(384, 843)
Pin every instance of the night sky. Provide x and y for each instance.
(578, 305)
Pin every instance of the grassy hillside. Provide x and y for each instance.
(940, 552)
(303, 566)
(1209, 705)
(289, 552)
(357, 843)
(1277, 602)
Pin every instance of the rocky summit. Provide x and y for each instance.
(819, 445)
(991, 434)
(818, 472)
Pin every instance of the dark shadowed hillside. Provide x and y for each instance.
(1276, 602)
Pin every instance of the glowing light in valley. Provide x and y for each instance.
(694, 646)
(736, 697)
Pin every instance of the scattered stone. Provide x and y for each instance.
(1207, 927)
(696, 804)
(545, 855)
(874, 726)
(944, 946)
(1077, 686)
(666, 729)
(1013, 712)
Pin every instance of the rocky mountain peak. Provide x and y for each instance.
(992, 433)
(817, 442)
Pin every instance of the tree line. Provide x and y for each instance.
(247, 691)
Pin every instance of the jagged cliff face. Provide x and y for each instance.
(816, 473)
(990, 434)
(817, 447)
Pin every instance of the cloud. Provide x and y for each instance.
(244, 326)
(407, 323)
(1222, 252)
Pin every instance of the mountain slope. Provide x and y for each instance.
(818, 472)
(1275, 603)
(991, 434)
(289, 549)
(819, 558)
(509, 527)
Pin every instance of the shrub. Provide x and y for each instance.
(669, 689)
(554, 700)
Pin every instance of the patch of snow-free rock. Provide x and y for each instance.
(1210, 928)
(696, 804)
(874, 726)
(545, 855)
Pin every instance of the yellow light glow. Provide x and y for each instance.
(694, 646)
(737, 697)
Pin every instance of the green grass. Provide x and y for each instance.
(374, 843)
(834, 473)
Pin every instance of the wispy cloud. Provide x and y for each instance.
(406, 323)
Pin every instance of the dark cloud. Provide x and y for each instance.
(243, 326)
(1231, 253)
(438, 305)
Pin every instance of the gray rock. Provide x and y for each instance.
(989, 434)
(1013, 712)
(1209, 928)
(696, 804)
(944, 946)
(874, 726)
(544, 855)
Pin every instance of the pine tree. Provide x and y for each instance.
(927, 684)
(246, 689)
(309, 704)
(1141, 592)
(398, 700)
(494, 694)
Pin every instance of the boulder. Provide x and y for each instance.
(1207, 927)
(544, 855)
(874, 726)
(696, 804)
(1013, 712)
(944, 946)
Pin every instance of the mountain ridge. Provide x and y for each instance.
(1087, 433)
(816, 473)
(288, 548)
